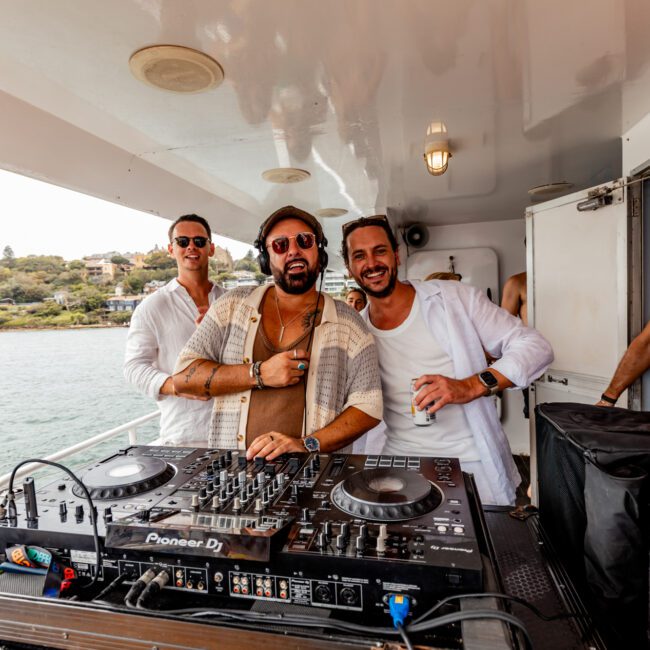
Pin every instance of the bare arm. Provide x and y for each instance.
(634, 363)
(206, 378)
(511, 299)
(445, 390)
(341, 431)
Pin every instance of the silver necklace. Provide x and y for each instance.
(283, 325)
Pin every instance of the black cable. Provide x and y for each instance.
(91, 505)
(405, 638)
(313, 621)
(118, 581)
(488, 594)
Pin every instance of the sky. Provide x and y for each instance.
(37, 218)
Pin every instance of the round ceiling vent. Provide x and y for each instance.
(176, 68)
(331, 212)
(549, 189)
(285, 175)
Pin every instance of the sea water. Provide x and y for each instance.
(60, 387)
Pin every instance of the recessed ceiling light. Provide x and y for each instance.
(285, 175)
(331, 212)
(176, 68)
(549, 189)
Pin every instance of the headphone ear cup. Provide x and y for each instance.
(263, 261)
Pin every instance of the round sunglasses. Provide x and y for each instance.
(305, 240)
(184, 242)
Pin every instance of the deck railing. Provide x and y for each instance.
(130, 428)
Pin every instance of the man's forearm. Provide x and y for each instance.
(634, 363)
(344, 429)
(204, 378)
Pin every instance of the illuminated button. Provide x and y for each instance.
(459, 530)
(441, 529)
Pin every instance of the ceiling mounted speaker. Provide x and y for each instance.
(416, 235)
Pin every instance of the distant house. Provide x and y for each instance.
(60, 298)
(152, 286)
(242, 279)
(98, 268)
(335, 283)
(123, 303)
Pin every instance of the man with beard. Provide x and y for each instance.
(290, 368)
(438, 333)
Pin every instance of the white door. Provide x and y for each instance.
(577, 261)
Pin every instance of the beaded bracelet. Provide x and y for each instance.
(258, 375)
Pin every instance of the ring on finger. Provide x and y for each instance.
(295, 353)
(301, 366)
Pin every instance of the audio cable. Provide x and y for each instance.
(11, 508)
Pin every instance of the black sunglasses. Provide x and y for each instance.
(184, 242)
(305, 240)
(376, 220)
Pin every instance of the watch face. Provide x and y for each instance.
(311, 443)
(488, 379)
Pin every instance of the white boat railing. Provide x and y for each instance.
(130, 428)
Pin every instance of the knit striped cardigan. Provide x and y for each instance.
(343, 368)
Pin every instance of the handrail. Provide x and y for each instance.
(129, 427)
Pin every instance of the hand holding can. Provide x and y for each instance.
(420, 418)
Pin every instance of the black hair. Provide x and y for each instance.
(190, 217)
(364, 222)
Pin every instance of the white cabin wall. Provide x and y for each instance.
(507, 240)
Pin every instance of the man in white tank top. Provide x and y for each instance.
(437, 333)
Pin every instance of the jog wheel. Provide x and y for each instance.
(386, 495)
(125, 476)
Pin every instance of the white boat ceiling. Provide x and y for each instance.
(531, 92)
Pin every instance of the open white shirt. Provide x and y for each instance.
(405, 353)
(467, 324)
(160, 327)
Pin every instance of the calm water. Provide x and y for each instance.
(58, 388)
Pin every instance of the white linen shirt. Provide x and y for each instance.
(160, 327)
(466, 324)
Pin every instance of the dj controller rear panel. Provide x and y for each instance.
(331, 534)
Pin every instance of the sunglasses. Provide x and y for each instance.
(305, 240)
(184, 242)
(376, 220)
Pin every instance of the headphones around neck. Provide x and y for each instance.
(263, 253)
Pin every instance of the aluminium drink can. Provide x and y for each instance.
(420, 418)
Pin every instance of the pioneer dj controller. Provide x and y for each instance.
(335, 531)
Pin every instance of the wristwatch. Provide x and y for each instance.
(312, 444)
(490, 382)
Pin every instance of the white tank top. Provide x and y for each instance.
(407, 352)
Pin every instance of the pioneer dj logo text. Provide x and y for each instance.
(211, 543)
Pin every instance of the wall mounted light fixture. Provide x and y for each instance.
(436, 149)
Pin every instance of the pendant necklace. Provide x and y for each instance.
(283, 326)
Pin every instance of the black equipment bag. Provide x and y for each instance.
(593, 469)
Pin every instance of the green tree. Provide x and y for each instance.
(247, 263)
(119, 259)
(89, 298)
(8, 257)
(76, 265)
(160, 260)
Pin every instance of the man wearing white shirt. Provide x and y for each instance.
(438, 333)
(161, 326)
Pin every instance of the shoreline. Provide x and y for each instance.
(67, 327)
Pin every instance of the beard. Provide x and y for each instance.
(387, 290)
(295, 283)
